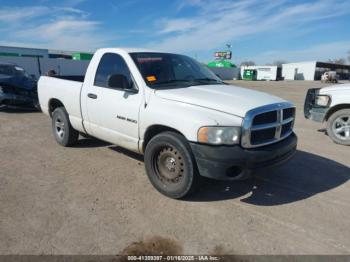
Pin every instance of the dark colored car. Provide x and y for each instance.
(17, 87)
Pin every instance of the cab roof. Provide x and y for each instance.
(130, 50)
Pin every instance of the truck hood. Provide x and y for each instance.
(225, 98)
(334, 88)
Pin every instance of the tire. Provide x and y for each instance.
(338, 127)
(63, 131)
(170, 165)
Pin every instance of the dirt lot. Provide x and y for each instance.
(95, 198)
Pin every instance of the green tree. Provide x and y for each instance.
(340, 61)
(247, 63)
(279, 63)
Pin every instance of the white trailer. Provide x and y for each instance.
(268, 73)
(299, 71)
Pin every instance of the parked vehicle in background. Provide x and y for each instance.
(330, 77)
(17, 87)
(331, 105)
(176, 112)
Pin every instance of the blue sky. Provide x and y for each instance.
(259, 30)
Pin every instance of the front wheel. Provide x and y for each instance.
(170, 165)
(338, 127)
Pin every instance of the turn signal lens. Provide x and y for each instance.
(203, 134)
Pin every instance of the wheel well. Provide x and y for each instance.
(334, 109)
(155, 130)
(53, 104)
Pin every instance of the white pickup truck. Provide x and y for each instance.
(331, 105)
(176, 112)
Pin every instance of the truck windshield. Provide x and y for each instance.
(161, 70)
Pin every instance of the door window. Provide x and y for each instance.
(111, 64)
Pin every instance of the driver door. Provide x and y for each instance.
(113, 112)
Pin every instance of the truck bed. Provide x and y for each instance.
(76, 78)
(66, 91)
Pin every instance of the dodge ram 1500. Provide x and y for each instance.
(175, 111)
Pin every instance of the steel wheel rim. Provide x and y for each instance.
(59, 127)
(341, 127)
(169, 165)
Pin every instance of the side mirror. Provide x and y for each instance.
(120, 81)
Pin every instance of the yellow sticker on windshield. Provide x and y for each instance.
(151, 78)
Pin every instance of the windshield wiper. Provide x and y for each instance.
(187, 82)
(206, 80)
(171, 81)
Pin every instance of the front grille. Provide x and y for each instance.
(288, 113)
(258, 136)
(7, 89)
(268, 117)
(286, 128)
(268, 124)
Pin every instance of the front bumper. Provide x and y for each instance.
(318, 114)
(229, 162)
(13, 99)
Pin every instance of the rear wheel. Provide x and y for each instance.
(63, 131)
(338, 127)
(170, 165)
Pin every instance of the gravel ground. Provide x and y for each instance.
(95, 198)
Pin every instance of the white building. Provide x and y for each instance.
(23, 52)
(39, 61)
(299, 71)
(263, 72)
(312, 70)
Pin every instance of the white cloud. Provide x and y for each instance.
(211, 25)
(57, 27)
(66, 34)
(221, 21)
(15, 15)
(73, 11)
(179, 25)
(319, 52)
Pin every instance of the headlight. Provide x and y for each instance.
(219, 135)
(322, 100)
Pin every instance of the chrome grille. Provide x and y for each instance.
(268, 124)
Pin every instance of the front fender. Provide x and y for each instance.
(185, 118)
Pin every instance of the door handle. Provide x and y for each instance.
(93, 96)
